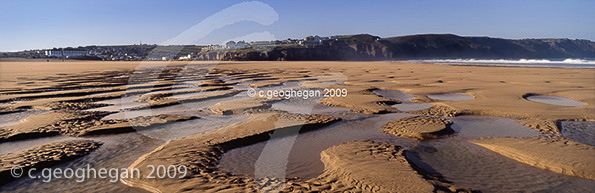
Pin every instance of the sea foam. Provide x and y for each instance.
(567, 63)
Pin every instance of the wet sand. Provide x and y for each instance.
(177, 113)
(419, 127)
(45, 155)
(560, 156)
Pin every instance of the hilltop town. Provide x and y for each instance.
(158, 52)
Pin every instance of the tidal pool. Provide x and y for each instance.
(304, 159)
(18, 117)
(20, 145)
(451, 97)
(394, 94)
(579, 131)
(480, 126)
(118, 104)
(472, 166)
(555, 100)
(410, 106)
(405, 98)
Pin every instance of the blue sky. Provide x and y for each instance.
(57, 23)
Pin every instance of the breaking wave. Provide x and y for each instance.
(572, 63)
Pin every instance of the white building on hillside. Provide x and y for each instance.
(230, 45)
(241, 45)
(235, 45)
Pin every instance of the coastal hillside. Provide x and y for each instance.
(453, 46)
(355, 47)
(429, 46)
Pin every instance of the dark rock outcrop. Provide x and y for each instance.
(452, 46)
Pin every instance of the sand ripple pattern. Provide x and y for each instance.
(472, 166)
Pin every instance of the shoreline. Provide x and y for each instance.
(421, 61)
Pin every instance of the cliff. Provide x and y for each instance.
(452, 46)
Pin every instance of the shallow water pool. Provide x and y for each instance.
(451, 97)
(579, 131)
(555, 100)
(405, 98)
(303, 160)
(18, 117)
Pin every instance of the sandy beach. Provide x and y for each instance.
(387, 126)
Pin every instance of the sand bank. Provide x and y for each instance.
(77, 123)
(560, 156)
(419, 127)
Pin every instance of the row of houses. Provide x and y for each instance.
(65, 53)
(306, 41)
(102, 52)
(316, 40)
